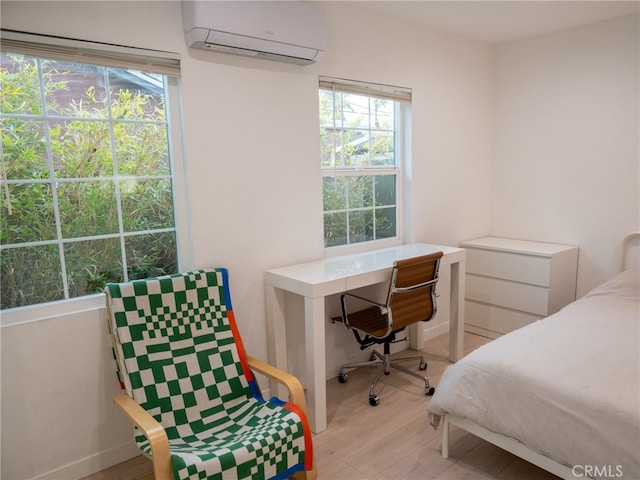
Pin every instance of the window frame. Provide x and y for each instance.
(402, 112)
(165, 63)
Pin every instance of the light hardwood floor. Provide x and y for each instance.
(393, 440)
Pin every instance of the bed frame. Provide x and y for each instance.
(630, 241)
(506, 443)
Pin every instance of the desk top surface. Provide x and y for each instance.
(343, 267)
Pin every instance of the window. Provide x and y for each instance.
(87, 187)
(361, 132)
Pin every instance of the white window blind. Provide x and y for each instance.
(81, 51)
(376, 90)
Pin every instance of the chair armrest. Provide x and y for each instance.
(343, 306)
(296, 392)
(153, 430)
(377, 304)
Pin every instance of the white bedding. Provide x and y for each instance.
(567, 386)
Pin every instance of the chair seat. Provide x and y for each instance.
(250, 442)
(369, 320)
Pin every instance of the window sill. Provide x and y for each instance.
(361, 247)
(45, 311)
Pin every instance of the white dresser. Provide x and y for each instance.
(511, 283)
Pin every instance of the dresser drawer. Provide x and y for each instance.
(531, 269)
(496, 319)
(518, 296)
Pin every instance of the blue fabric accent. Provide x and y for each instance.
(289, 473)
(225, 286)
(276, 401)
(255, 391)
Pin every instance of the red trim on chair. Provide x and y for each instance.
(308, 442)
(240, 346)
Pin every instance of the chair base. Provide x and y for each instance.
(385, 363)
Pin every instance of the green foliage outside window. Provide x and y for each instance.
(85, 175)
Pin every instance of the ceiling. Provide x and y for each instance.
(503, 21)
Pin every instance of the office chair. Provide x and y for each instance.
(190, 389)
(411, 298)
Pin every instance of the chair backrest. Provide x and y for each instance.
(412, 290)
(177, 346)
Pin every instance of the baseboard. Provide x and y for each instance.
(431, 332)
(481, 331)
(92, 464)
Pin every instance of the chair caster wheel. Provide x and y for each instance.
(423, 365)
(374, 400)
(430, 391)
(342, 378)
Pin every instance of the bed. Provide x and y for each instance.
(562, 393)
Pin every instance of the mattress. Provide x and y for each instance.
(567, 386)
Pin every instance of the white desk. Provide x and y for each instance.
(316, 280)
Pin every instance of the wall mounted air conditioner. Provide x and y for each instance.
(288, 31)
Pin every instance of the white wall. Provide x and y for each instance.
(565, 170)
(252, 149)
(567, 135)
(57, 383)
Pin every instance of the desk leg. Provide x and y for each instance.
(315, 350)
(416, 336)
(276, 336)
(456, 305)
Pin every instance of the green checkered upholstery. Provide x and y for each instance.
(181, 358)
